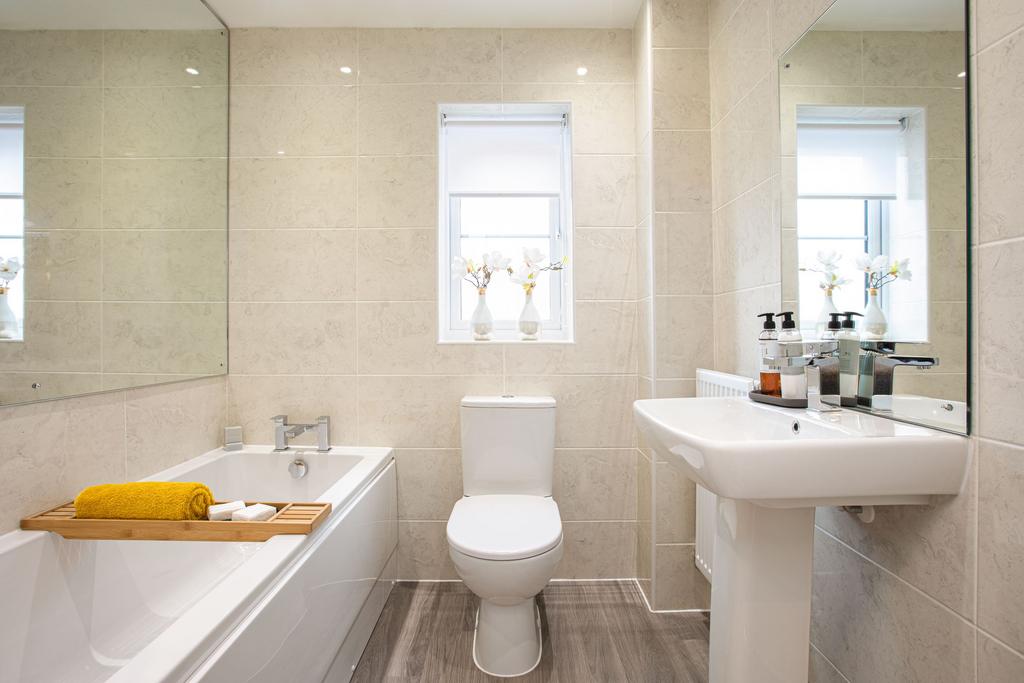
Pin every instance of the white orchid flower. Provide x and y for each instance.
(9, 268)
(460, 267)
(533, 257)
(872, 264)
(829, 260)
(495, 260)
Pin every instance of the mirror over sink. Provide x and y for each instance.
(873, 112)
(113, 196)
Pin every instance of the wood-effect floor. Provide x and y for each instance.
(600, 631)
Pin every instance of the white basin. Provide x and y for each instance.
(932, 412)
(779, 457)
(770, 467)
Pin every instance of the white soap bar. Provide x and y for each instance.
(223, 511)
(254, 513)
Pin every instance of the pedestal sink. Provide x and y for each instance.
(770, 468)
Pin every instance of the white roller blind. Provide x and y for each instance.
(848, 160)
(504, 156)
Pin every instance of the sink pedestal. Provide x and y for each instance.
(761, 593)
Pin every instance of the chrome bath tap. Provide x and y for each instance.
(284, 431)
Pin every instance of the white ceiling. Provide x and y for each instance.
(893, 15)
(105, 14)
(429, 13)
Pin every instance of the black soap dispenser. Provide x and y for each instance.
(771, 383)
(831, 332)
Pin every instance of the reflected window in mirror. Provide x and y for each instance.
(12, 222)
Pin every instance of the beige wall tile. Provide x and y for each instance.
(402, 119)
(304, 56)
(675, 388)
(824, 58)
(51, 57)
(683, 261)
(147, 58)
(999, 349)
(400, 338)
(166, 425)
(396, 265)
(553, 55)
(151, 193)
(1000, 541)
(293, 193)
(602, 114)
(165, 265)
(684, 335)
(416, 412)
(253, 400)
(289, 338)
(675, 506)
(682, 165)
(1000, 83)
(594, 410)
(188, 338)
(790, 18)
(680, 585)
(604, 191)
(642, 61)
(737, 327)
(65, 265)
(947, 194)
(740, 55)
(996, 18)
(22, 387)
(59, 337)
(53, 450)
(59, 122)
(681, 92)
(397, 192)
(605, 263)
(423, 55)
(680, 23)
(170, 122)
(288, 120)
(719, 13)
(913, 638)
(932, 547)
(914, 58)
(429, 482)
(998, 663)
(595, 484)
(293, 265)
(605, 343)
(744, 146)
(945, 109)
(747, 240)
(423, 552)
(597, 550)
(62, 194)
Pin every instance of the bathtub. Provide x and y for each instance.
(294, 608)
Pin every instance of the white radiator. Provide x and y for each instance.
(711, 383)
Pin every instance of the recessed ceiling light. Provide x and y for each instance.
(345, 69)
(280, 151)
(192, 71)
(962, 74)
(581, 71)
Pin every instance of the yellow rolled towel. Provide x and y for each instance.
(144, 500)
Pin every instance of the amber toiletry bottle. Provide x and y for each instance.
(771, 381)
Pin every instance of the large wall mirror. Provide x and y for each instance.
(875, 219)
(113, 195)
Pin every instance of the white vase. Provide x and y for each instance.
(482, 321)
(529, 319)
(874, 325)
(8, 321)
(827, 307)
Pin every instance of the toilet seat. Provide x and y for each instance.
(504, 527)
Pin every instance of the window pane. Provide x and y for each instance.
(504, 297)
(830, 217)
(849, 297)
(12, 161)
(12, 217)
(506, 216)
(16, 294)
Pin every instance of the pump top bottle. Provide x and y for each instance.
(831, 332)
(849, 357)
(794, 381)
(771, 383)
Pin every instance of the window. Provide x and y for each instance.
(12, 207)
(504, 183)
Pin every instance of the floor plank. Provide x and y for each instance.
(597, 632)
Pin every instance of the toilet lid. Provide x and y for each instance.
(504, 527)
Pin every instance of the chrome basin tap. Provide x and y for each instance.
(878, 364)
(820, 362)
(284, 431)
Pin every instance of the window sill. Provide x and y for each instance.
(508, 342)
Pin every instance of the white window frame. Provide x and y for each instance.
(14, 117)
(451, 327)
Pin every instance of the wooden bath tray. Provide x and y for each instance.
(291, 518)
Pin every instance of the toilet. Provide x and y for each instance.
(505, 534)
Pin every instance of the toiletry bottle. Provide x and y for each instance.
(849, 358)
(794, 381)
(770, 382)
(831, 331)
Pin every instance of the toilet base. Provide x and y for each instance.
(507, 638)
